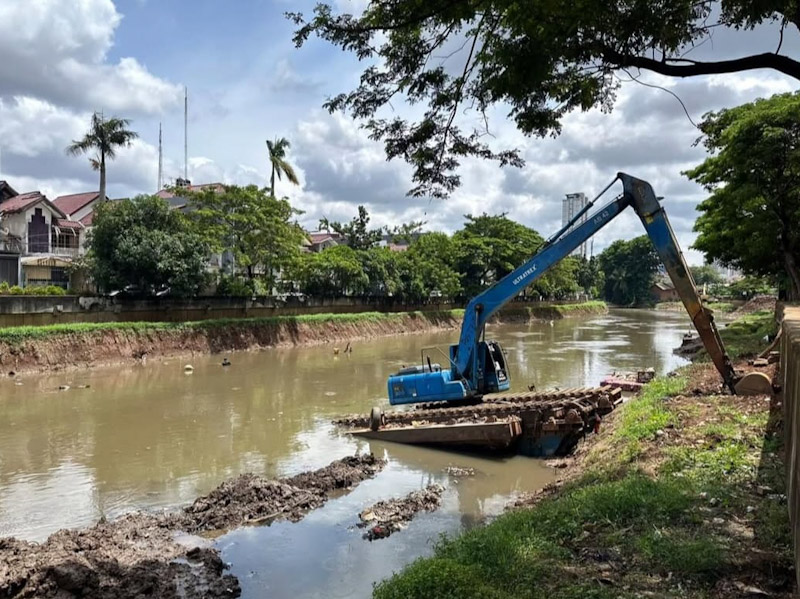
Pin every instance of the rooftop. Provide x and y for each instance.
(74, 202)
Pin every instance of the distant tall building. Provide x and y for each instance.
(570, 206)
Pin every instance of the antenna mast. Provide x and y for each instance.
(160, 161)
(185, 132)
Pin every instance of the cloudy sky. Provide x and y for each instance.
(59, 61)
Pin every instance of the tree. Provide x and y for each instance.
(750, 219)
(490, 247)
(535, 59)
(104, 137)
(258, 228)
(380, 265)
(333, 272)
(357, 232)
(705, 275)
(278, 163)
(426, 269)
(590, 277)
(629, 268)
(143, 243)
(406, 232)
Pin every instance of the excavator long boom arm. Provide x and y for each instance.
(640, 195)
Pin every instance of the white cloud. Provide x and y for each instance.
(57, 51)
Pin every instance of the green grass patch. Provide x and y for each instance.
(528, 553)
(15, 335)
(723, 307)
(646, 414)
(679, 550)
(590, 307)
(713, 468)
(745, 336)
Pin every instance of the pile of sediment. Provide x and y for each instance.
(756, 304)
(142, 555)
(390, 516)
(251, 499)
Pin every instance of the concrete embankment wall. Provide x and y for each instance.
(790, 374)
(90, 344)
(46, 310)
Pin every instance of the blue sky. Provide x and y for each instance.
(247, 82)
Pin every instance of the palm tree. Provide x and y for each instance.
(280, 166)
(105, 136)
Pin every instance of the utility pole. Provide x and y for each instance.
(185, 133)
(160, 162)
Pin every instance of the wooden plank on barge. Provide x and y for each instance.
(493, 435)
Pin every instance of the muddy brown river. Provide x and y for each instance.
(152, 436)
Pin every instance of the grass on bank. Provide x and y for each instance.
(658, 521)
(745, 336)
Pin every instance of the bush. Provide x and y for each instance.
(4, 287)
(16, 290)
(235, 287)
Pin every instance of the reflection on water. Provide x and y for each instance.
(151, 436)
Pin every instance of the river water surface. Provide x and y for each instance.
(151, 436)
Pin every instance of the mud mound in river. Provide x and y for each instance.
(340, 474)
(139, 555)
(250, 499)
(132, 557)
(386, 517)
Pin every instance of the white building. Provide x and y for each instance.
(571, 205)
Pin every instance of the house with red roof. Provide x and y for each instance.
(38, 240)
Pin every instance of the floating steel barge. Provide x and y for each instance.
(533, 423)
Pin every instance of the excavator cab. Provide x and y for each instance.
(495, 369)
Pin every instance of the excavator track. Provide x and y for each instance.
(564, 409)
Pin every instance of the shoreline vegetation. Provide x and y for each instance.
(683, 494)
(58, 346)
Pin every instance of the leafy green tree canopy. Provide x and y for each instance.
(705, 275)
(751, 218)
(357, 232)
(142, 242)
(335, 271)
(536, 59)
(258, 228)
(629, 268)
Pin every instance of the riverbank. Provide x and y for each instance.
(681, 495)
(53, 347)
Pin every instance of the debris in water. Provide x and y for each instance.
(330, 393)
(387, 517)
(226, 362)
(188, 368)
(63, 387)
(459, 472)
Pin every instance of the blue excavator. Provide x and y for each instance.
(478, 367)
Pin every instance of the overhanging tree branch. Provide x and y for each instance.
(767, 60)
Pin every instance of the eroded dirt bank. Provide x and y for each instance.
(91, 345)
(147, 555)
